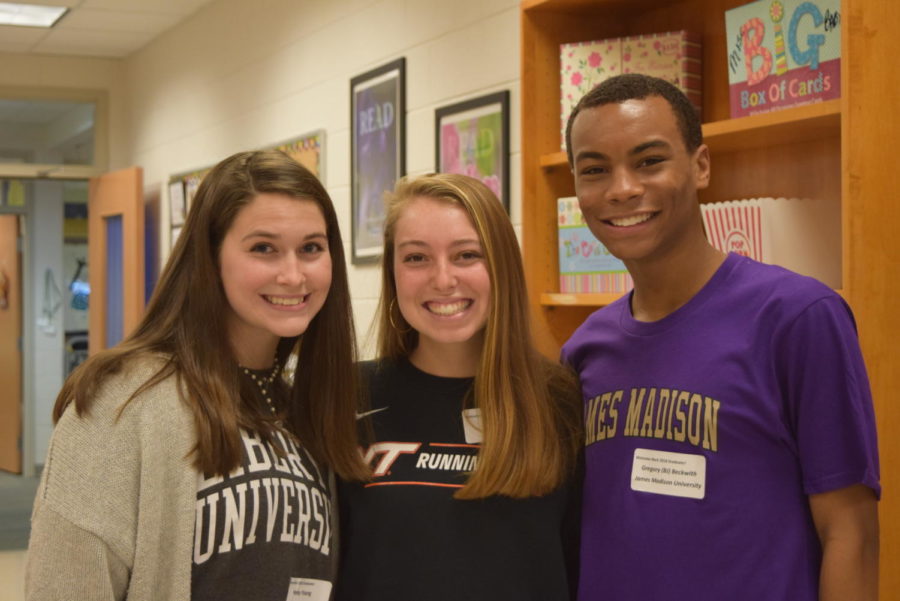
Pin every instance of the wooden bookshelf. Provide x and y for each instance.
(798, 124)
(836, 151)
(566, 299)
(793, 152)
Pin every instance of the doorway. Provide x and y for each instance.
(47, 336)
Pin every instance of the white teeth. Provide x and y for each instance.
(448, 308)
(633, 220)
(285, 301)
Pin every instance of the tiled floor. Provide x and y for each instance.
(12, 575)
(16, 499)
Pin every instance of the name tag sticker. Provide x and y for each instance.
(471, 419)
(308, 589)
(672, 474)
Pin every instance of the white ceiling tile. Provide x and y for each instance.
(68, 3)
(20, 37)
(11, 48)
(107, 20)
(92, 43)
(171, 7)
(107, 28)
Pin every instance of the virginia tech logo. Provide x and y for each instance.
(389, 452)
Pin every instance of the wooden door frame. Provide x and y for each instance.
(28, 334)
(12, 270)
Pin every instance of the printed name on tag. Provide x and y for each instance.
(308, 589)
(673, 474)
(471, 419)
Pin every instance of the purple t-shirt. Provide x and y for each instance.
(706, 431)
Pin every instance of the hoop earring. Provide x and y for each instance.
(391, 318)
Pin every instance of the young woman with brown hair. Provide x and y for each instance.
(182, 464)
(475, 434)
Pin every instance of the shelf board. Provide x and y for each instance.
(797, 124)
(581, 299)
(587, 5)
(553, 160)
(586, 299)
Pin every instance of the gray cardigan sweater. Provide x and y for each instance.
(114, 513)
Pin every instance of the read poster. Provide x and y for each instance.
(376, 158)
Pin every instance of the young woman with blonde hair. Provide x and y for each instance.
(182, 464)
(475, 434)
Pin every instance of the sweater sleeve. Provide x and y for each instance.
(83, 524)
(67, 562)
(113, 516)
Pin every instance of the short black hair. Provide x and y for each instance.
(636, 86)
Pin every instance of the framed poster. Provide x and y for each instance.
(191, 184)
(176, 231)
(177, 210)
(309, 151)
(377, 152)
(180, 192)
(472, 138)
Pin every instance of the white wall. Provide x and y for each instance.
(46, 231)
(240, 75)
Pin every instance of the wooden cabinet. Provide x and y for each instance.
(840, 151)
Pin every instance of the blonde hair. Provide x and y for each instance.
(530, 406)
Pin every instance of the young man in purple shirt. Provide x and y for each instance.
(730, 438)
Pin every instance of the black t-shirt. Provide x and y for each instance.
(264, 532)
(404, 536)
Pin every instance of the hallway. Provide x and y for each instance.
(16, 499)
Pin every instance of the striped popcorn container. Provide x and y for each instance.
(735, 226)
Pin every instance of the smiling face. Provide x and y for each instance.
(443, 286)
(276, 271)
(636, 181)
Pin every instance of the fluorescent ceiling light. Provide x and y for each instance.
(30, 15)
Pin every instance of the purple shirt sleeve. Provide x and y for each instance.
(829, 404)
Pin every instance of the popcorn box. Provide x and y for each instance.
(734, 227)
(673, 56)
(782, 53)
(800, 234)
(585, 265)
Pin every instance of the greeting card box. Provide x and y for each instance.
(585, 265)
(673, 56)
(783, 53)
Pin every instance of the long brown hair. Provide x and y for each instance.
(530, 407)
(185, 323)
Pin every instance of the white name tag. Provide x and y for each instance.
(471, 419)
(673, 474)
(309, 589)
